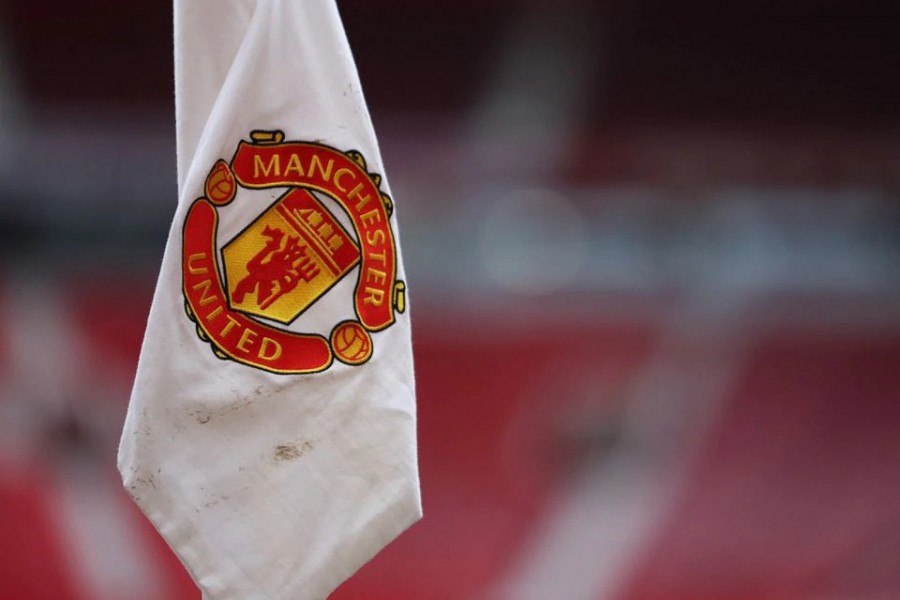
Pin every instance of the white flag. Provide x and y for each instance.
(271, 432)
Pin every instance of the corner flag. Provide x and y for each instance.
(270, 436)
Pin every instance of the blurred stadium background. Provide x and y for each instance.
(654, 256)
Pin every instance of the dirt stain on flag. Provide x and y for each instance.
(205, 415)
(291, 451)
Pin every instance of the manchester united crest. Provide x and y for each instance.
(246, 293)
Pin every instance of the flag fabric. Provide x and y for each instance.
(270, 436)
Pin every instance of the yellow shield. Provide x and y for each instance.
(287, 258)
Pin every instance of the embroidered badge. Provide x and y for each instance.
(290, 256)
